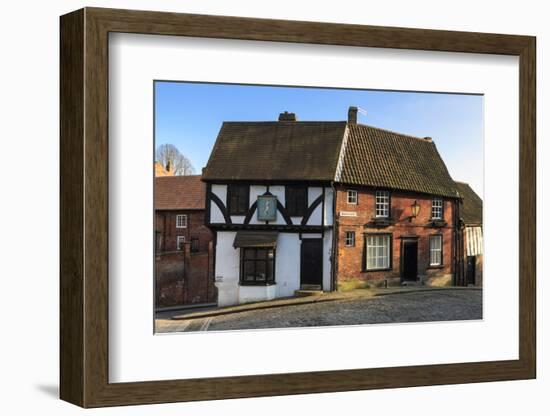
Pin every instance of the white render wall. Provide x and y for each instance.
(329, 208)
(227, 268)
(316, 216)
(287, 264)
(279, 192)
(327, 252)
(287, 269)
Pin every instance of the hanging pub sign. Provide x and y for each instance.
(267, 208)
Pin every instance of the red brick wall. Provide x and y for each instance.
(165, 224)
(182, 277)
(350, 259)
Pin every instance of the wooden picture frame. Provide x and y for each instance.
(84, 207)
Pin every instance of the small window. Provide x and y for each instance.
(382, 204)
(350, 239)
(180, 241)
(436, 250)
(181, 221)
(377, 251)
(296, 200)
(257, 266)
(194, 245)
(352, 196)
(237, 199)
(437, 209)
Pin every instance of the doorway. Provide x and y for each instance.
(311, 263)
(471, 270)
(409, 260)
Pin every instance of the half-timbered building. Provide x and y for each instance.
(270, 202)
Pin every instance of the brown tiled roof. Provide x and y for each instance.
(179, 192)
(278, 150)
(471, 208)
(381, 158)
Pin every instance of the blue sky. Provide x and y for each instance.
(189, 115)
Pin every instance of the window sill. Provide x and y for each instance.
(441, 266)
(257, 284)
(389, 269)
(438, 223)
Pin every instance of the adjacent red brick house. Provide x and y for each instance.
(396, 211)
(183, 243)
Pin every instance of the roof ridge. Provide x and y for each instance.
(287, 122)
(395, 132)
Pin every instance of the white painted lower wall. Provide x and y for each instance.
(227, 268)
(287, 269)
(327, 263)
(287, 264)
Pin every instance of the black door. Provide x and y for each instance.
(410, 260)
(471, 270)
(311, 264)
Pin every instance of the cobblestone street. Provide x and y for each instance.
(423, 306)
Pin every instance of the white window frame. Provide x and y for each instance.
(351, 241)
(178, 239)
(378, 251)
(352, 197)
(434, 250)
(437, 208)
(181, 216)
(382, 204)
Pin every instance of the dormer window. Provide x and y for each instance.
(437, 209)
(382, 204)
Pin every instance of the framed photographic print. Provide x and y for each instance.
(256, 207)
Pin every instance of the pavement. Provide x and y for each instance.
(363, 306)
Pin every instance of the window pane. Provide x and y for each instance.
(260, 271)
(261, 253)
(270, 271)
(248, 271)
(249, 253)
(378, 251)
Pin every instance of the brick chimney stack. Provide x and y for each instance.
(286, 116)
(352, 115)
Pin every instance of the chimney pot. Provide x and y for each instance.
(352, 115)
(286, 116)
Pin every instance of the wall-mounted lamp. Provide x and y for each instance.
(415, 210)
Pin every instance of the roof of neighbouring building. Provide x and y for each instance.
(382, 158)
(471, 208)
(280, 150)
(179, 192)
